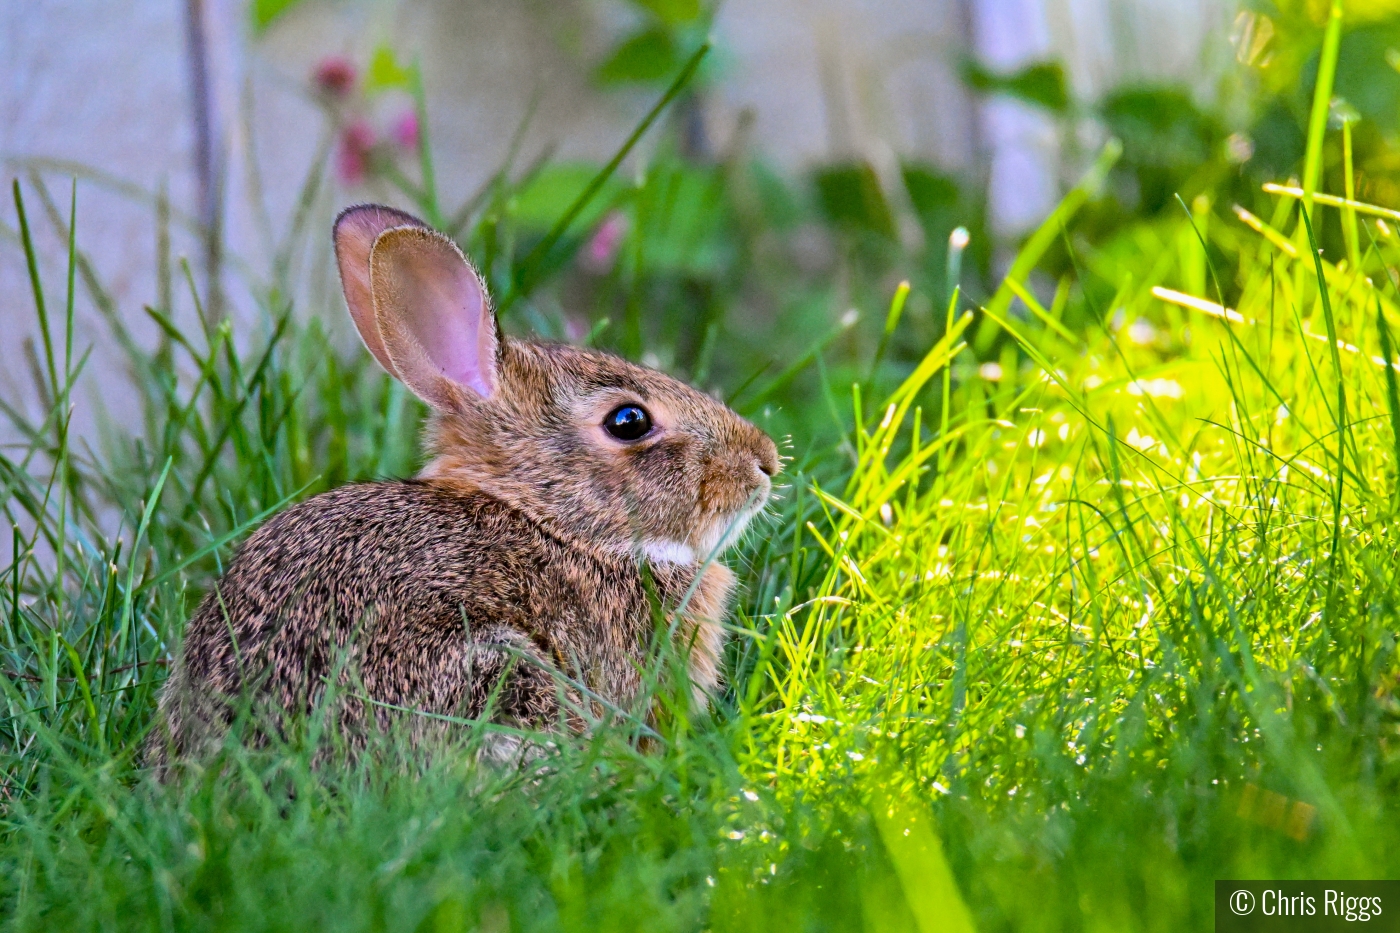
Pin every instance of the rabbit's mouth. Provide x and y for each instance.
(724, 530)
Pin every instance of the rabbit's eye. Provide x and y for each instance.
(628, 423)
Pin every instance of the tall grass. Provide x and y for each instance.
(1068, 622)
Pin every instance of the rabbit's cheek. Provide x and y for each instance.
(668, 470)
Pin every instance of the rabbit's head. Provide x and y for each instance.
(614, 455)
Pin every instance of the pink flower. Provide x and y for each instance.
(334, 75)
(601, 250)
(354, 154)
(405, 131)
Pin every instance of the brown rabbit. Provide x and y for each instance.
(556, 473)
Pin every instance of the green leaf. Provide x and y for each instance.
(385, 73)
(539, 204)
(1366, 77)
(650, 55)
(673, 12)
(934, 196)
(685, 213)
(1042, 84)
(264, 12)
(851, 196)
(1166, 139)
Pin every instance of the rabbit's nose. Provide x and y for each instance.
(767, 457)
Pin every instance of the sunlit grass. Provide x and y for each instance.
(1149, 603)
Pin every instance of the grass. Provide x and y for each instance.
(1074, 611)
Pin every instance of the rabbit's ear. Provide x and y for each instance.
(434, 317)
(356, 229)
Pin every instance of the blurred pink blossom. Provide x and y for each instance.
(405, 131)
(575, 329)
(602, 247)
(335, 75)
(357, 141)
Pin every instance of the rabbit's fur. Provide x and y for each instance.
(520, 550)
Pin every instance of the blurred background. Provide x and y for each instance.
(822, 151)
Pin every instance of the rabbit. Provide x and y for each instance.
(567, 493)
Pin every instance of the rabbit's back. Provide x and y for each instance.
(421, 596)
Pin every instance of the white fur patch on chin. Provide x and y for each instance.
(725, 532)
(668, 552)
